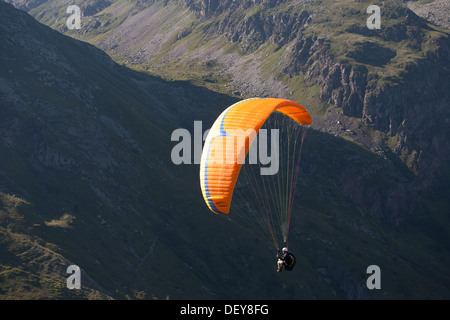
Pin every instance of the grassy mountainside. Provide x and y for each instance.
(86, 143)
(32, 268)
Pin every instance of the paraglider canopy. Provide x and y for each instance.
(220, 163)
(262, 202)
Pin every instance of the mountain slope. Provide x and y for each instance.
(87, 143)
(84, 138)
(368, 86)
(32, 268)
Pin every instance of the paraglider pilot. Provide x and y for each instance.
(285, 261)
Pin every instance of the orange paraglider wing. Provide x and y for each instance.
(228, 143)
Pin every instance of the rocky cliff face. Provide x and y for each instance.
(250, 30)
(347, 84)
(394, 105)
